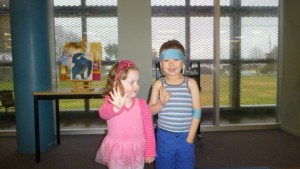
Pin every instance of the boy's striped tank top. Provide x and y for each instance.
(176, 115)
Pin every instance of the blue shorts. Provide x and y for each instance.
(173, 151)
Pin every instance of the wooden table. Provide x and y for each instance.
(56, 94)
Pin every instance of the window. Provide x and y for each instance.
(75, 21)
(94, 22)
(248, 54)
(247, 65)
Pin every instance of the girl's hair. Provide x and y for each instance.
(172, 44)
(112, 82)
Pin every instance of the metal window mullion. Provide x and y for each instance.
(84, 39)
(235, 54)
(83, 19)
(75, 11)
(207, 11)
(187, 31)
(216, 55)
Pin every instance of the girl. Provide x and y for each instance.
(176, 100)
(130, 141)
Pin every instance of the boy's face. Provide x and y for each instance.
(171, 66)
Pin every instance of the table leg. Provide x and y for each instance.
(37, 130)
(57, 121)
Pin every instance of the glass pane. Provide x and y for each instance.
(167, 2)
(202, 3)
(67, 30)
(104, 31)
(202, 38)
(259, 2)
(202, 49)
(248, 70)
(167, 28)
(67, 2)
(225, 68)
(259, 36)
(208, 3)
(4, 3)
(101, 2)
(7, 120)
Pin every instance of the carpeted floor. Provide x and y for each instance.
(256, 149)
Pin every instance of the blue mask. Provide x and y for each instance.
(172, 54)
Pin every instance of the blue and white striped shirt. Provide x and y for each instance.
(176, 115)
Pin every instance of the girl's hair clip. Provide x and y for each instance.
(123, 64)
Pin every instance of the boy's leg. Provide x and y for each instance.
(166, 149)
(185, 155)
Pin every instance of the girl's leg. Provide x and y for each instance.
(139, 164)
(127, 167)
(117, 167)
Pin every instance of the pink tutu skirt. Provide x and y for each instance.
(116, 153)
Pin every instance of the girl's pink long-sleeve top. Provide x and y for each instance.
(106, 112)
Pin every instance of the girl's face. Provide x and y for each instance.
(171, 66)
(131, 84)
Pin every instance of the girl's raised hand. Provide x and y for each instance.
(116, 98)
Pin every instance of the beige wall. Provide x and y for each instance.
(134, 19)
(289, 76)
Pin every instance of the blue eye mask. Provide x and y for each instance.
(171, 54)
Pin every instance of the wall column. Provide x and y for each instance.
(32, 63)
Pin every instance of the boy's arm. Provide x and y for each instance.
(194, 89)
(154, 103)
